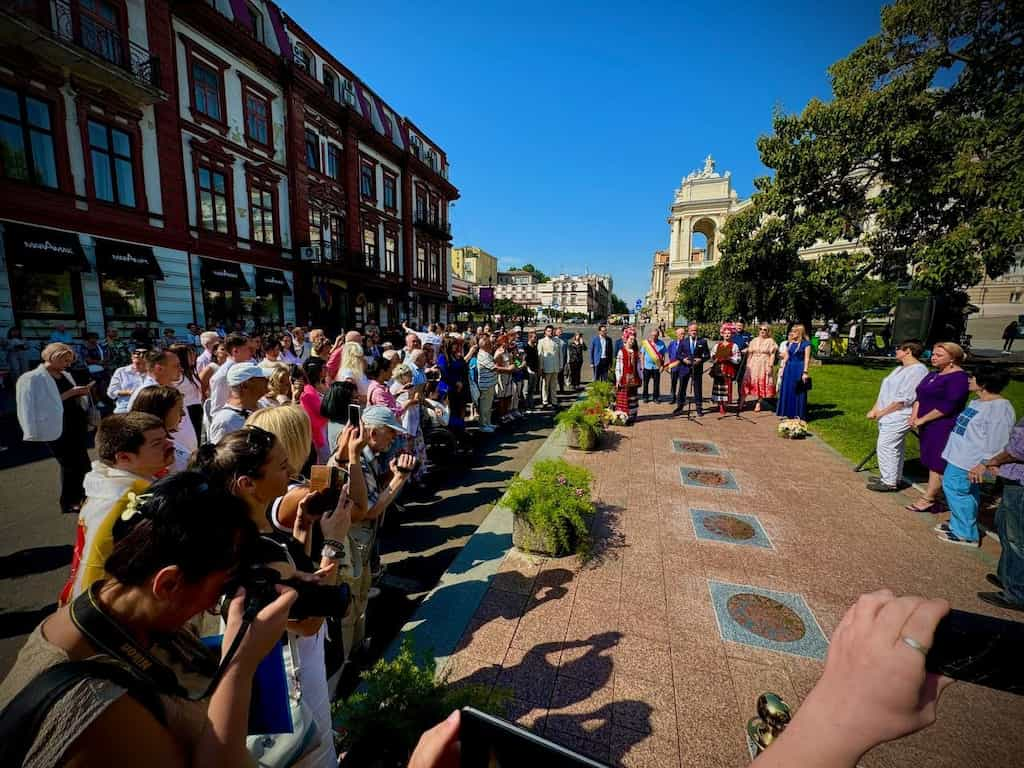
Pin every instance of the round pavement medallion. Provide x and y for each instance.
(729, 527)
(766, 618)
(706, 477)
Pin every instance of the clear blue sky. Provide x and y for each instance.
(568, 124)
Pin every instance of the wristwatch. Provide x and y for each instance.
(333, 549)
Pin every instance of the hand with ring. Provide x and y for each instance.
(874, 688)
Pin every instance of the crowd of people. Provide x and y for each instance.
(198, 518)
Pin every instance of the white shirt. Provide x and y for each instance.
(900, 386)
(981, 431)
(227, 420)
(357, 378)
(190, 390)
(125, 377)
(220, 390)
(40, 409)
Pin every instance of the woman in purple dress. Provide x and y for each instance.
(941, 395)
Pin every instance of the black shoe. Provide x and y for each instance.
(994, 580)
(677, 411)
(700, 413)
(875, 484)
(1000, 600)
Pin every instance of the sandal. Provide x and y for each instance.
(928, 507)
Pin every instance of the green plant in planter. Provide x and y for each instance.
(585, 417)
(601, 391)
(555, 503)
(380, 724)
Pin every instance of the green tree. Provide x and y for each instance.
(919, 156)
(508, 309)
(541, 277)
(619, 307)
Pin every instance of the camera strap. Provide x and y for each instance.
(108, 636)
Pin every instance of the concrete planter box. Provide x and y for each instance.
(528, 539)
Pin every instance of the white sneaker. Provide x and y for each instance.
(488, 428)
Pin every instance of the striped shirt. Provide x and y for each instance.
(486, 377)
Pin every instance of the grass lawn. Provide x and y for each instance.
(842, 394)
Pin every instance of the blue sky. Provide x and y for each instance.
(569, 124)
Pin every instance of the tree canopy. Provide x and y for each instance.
(541, 277)
(918, 158)
(619, 307)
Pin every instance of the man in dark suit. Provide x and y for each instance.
(601, 354)
(692, 352)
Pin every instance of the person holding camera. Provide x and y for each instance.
(383, 485)
(256, 467)
(176, 548)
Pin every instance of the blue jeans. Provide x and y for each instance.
(1010, 525)
(962, 497)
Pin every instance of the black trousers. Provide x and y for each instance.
(195, 413)
(72, 455)
(696, 375)
(654, 376)
(603, 371)
(574, 373)
(677, 386)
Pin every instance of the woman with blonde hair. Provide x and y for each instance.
(290, 425)
(941, 395)
(758, 381)
(795, 380)
(353, 367)
(279, 387)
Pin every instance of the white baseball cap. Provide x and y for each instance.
(239, 373)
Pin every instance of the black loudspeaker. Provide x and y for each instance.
(913, 318)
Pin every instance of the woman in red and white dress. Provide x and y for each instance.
(725, 356)
(628, 374)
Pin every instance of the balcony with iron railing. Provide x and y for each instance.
(59, 32)
(433, 225)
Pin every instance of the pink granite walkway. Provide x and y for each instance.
(625, 659)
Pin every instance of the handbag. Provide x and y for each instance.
(804, 385)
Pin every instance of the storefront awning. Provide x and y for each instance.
(44, 250)
(223, 276)
(119, 259)
(271, 281)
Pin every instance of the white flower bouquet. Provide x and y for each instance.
(793, 429)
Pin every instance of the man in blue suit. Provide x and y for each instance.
(601, 354)
(691, 352)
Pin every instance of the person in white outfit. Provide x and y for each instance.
(891, 410)
(239, 351)
(549, 352)
(126, 380)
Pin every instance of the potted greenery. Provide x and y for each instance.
(585, 420)
(601, 391)
(379, 725)
(551, 510)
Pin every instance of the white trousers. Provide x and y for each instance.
(891, 439)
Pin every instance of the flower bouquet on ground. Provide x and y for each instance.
(793, 429)
(615, 417)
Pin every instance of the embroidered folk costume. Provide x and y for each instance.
(725, 358)
(628, 375)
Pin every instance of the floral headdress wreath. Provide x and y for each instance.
(133, 505)
(628, 333)
(730, 327)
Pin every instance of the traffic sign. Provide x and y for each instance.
(554, 305)
(639, 303)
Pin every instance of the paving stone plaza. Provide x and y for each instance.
(726, 557)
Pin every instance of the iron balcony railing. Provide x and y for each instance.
(84, 31)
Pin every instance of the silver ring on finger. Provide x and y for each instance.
(919, 647)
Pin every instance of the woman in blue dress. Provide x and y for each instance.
(796, 358)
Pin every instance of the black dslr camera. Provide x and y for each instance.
(260, 582)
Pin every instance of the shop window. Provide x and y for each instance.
(370, 248)
(261, 212)
(221, 307)
(257, 118)
(110, 155)
(46, 295)
(213, 200)
(390, 253)
(265, 310)
(312, 150)
(26, 139)
(127, 298)
(390, 192)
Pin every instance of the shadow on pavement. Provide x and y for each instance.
(35, 560)
(14, 623)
